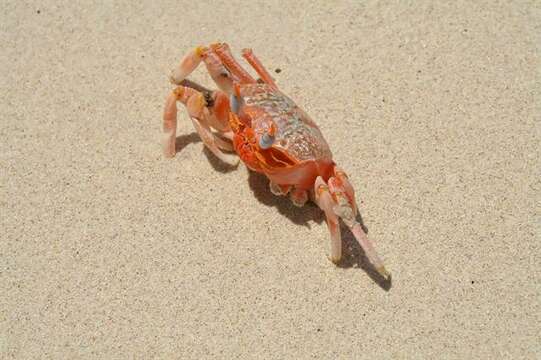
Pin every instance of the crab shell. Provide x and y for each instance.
(299, 152)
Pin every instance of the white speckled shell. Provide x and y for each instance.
(296, 133)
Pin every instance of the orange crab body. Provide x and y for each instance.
(269, 133)
(298, 153)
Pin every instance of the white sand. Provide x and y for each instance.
(108, 250)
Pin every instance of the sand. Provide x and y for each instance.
(109, 250)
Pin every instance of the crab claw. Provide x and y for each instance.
(337, 200)
(324, 200)
(368, 247)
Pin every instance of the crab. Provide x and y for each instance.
(269, 133)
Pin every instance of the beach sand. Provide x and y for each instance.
(109, 250)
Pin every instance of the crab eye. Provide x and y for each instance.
(266, 141)
(235, 104)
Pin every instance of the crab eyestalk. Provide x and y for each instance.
(266, 139)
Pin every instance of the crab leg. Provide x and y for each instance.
(170, 125)
(258, 67)
(346, 210)
(199, 113)
(223, 52)
(187, 65)
(223, 144)
(370, 252)
(210, 141)
(298, 197)
(348, 188)
(324, 200)
(219, 109)
(279, 190)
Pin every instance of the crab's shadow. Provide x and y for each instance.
(259, 184)
(352, 254)
(184, 140)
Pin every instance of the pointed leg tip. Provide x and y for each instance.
(335, 260)
(168, 154)
(298, 197)
(298, 203)
(384, 273)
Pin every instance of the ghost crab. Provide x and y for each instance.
(269, 133)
